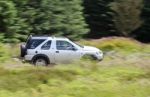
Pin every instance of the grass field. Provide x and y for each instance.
(124, 72)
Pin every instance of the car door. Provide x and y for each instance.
(47, 50)
(65, 52)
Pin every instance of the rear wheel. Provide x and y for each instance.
(40, 62)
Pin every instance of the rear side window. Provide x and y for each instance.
(46, 46)
(33, 43)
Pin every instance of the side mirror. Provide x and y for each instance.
(74, 49)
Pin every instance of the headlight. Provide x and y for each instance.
(97, 53)
(100, 52)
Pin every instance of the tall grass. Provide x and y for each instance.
(75, 80)
(8, 51)
(118, 44)
(4, 52)
(83, 78)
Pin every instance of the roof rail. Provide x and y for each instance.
(39, 35)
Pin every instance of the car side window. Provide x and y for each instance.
(46, 46)
(63, 45)
(34, 43)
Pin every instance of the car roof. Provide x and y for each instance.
(48, 37)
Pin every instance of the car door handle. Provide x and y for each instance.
(36, 52)
(57, 51)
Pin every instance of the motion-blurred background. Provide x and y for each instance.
(74, 19)
(120, 28)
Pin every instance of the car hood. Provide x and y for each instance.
(90, 48)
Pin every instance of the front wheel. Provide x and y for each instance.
(40, 62)
(89, 57)
(92, 57)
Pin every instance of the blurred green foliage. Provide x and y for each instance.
(75, 80)
(98, 17)
(124, 22)
(8, 51)
(4, 53)
(118, 44)
(74, 19)
(18, 19)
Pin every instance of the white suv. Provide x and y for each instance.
(43, 50)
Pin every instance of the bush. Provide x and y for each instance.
(4, 53)
(8, 51)
(117, 44)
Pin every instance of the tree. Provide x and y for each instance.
(8, 21)
(143, 33)
(66, 17)
(33, 18)
(126, 15)
(98, 17)
(53, 17)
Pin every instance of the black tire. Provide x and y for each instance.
(22, 50)
(40, 61)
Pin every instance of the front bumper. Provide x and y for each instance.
(99, 56)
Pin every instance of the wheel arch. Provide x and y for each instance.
(89, 55)
(41, 56)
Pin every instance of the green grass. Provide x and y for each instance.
(118, 44)
(124, 73)
(4, 55)
(7, 51)
(76, 81)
